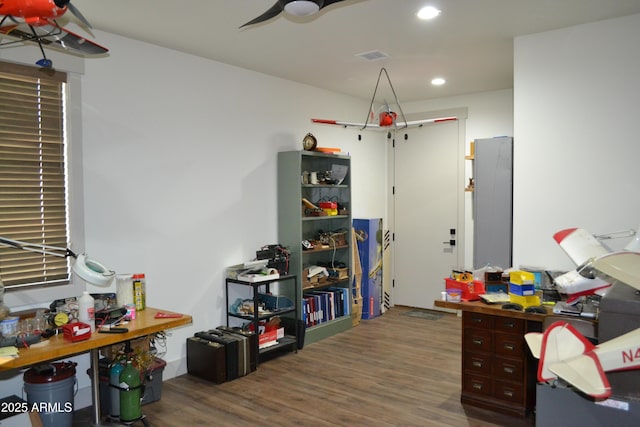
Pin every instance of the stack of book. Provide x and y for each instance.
(321, 306)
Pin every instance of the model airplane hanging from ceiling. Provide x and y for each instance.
(35, 21)
(293, 7)
(564, 353)
(387, 119)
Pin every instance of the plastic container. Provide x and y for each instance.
(520, 277)
(470, 291)
(522, 290)
(76, 331)
(524, 301)
(9, 326)
(139, 291)
(51, 389)
(86, 310)
(124, 289)
(153, 381)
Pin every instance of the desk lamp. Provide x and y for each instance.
(89, 270)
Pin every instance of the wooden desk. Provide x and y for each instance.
(498, 371)
(57, 347)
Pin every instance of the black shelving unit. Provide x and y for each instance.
(290, 281)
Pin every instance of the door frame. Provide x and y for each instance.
(461, 241)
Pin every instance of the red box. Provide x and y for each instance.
(328, 205)
(471, 291)
(70, 331)
(269, 336)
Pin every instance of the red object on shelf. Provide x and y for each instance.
(471, 291)
(163, 315)
(328, 205)
(77, 331)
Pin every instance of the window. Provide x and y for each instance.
(33, 178)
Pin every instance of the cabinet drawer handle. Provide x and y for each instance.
(510, 325)
(477, 320)
(508, 393)
(477, 341)
(509, 370)
(510, 347)
(477, 364)
(477, 386)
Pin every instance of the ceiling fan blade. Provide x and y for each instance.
(78, 15)
(329, 2)
(275, 10)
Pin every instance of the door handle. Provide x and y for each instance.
(451, 242)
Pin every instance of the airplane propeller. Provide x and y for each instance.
(308, 6)
(74, 10)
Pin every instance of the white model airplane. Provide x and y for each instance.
(564, 353)
(582, 247)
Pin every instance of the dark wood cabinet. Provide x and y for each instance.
(498, 370)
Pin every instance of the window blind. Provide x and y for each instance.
(33, 195)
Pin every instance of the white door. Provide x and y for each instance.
(428, 209)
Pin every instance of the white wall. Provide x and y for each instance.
(180, 169)
(179, 161)
(576, 110)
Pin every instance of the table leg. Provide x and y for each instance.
(95, 390)
(95, 386)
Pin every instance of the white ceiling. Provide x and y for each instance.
(470, 44)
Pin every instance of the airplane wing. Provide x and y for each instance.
(534, 341)
(584, 373)
(620, 266)
(371, 126)
(579, 244)
(54, 36)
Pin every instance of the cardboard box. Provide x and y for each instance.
(370, 254)
(269, 338)
(356, 311)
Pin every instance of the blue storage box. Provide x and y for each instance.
(496, 287)
(522, 290)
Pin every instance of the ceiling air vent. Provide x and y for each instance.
(373, 55)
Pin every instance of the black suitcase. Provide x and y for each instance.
(248, 357)
(230, 346)
(206, 359)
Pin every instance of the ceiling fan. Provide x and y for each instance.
(293, 7)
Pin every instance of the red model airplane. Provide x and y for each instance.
(35, 21)
(387, 119)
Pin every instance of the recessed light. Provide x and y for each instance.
(428, 12)
(438, 81)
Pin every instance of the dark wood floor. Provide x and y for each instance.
(394, 370)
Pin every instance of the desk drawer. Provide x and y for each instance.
(477, 384)
(509, 345)
(509, 325)
(480, 363)
(477, 340)
(508, 368)
(477, 320)
(508, 391)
